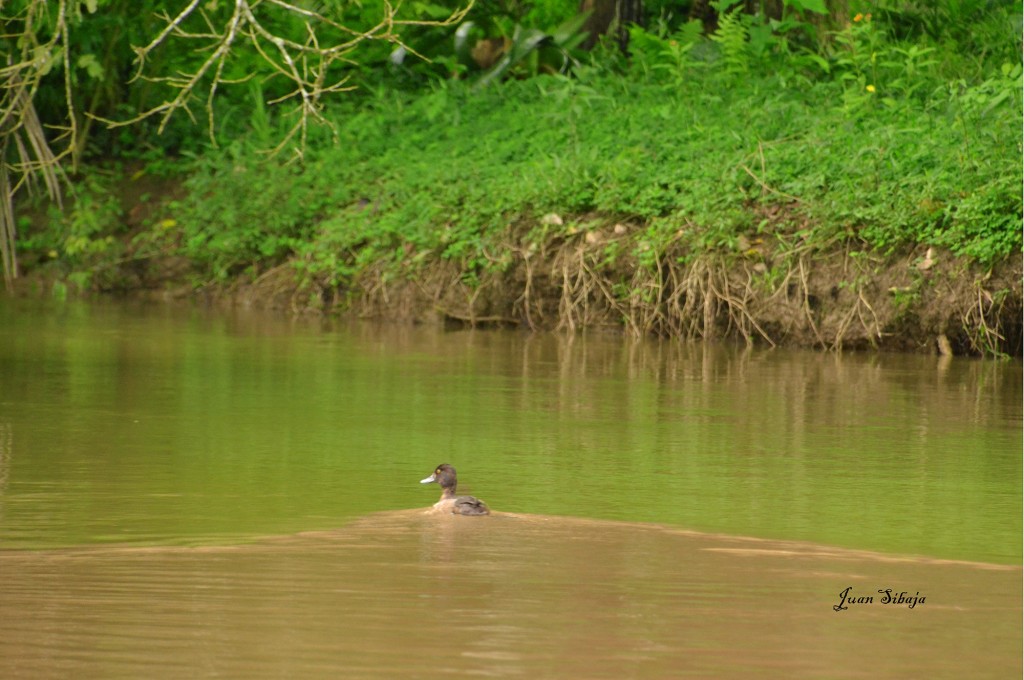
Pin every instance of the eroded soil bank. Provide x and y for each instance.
(773, 286)
(764, 290)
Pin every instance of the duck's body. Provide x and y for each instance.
(462, 505)
(444, 475)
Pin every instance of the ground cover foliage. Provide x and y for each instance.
(866, 192)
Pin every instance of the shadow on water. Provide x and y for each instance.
(410, 594)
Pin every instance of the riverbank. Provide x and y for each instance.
(775, 212)
(766, 292)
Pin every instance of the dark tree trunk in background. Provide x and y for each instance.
(702, 11)
(769, 9)
(611, 17)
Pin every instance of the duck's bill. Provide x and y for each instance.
(428, 480)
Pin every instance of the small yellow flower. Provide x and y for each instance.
(870, 88)
(858, 18)
(867, 17)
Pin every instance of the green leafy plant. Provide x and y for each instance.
(732, 38)
(669, 58)
(525, 50)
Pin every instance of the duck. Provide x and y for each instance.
(444, 475)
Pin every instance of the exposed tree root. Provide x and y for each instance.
(834, 299)
(780, 293)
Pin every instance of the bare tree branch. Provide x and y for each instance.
(315, 63)
(20, 128)
(305, 62)
(172, 25)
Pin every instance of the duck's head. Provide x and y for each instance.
(444, 475)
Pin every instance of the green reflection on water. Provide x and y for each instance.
(163, 425)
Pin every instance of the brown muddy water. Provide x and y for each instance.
(407, 594)
(187, 494)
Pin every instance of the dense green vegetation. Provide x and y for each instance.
(450, 171)
(765, 140)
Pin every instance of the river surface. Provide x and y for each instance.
(187, 493)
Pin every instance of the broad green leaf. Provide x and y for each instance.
(463, 46)
(570, 28)
(723, 6)
(91, 64)
(46, 58)
(431, 11)
(816, 6)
